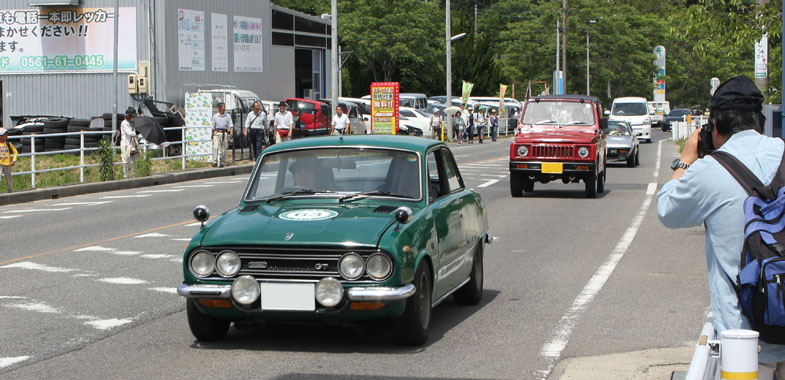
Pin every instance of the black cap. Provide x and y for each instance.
(130, 111)
(282, 104)
(739, 94)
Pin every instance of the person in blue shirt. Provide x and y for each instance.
(701, 191)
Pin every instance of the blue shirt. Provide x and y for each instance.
(222, 122)
(707, 193)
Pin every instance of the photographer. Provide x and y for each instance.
(702, 191)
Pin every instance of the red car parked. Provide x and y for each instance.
(311, 117)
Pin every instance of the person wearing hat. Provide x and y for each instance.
(493, 120)
(702, 192)
(283, 124)
(129, 145)
(7, 158)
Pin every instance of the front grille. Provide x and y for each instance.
(292, 263)
(552, 151)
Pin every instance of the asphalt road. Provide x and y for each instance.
(87, 287)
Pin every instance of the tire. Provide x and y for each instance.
(591, 185)
(637, 160)
(413, 327)
(631, 160)
(601, 180)
(204, 327)
(516, 184)
(471, 292)
(528, 185)
(79, 123)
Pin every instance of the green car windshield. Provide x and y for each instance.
(337, 172)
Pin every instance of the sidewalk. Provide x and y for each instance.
(650, 364)
(97, 187)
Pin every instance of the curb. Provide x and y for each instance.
(123, 184)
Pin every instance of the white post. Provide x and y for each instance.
(81, 156)
(32, 158)
(701, 357)
(739, 354)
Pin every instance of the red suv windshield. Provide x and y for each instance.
(564, 113)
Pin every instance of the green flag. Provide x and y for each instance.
(466, 91)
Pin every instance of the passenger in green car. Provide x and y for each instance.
(310, 174)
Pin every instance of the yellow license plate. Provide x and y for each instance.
(552, 167)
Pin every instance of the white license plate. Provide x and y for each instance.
(290, 297)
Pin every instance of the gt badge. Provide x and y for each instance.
(289, 236)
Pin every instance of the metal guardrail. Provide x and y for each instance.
(82, 149)
(733, 356)
(704, 365)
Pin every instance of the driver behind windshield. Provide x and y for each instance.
(307, 172)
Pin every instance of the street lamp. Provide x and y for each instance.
(448, 39)
(588, 92)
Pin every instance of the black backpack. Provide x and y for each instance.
(760, 284)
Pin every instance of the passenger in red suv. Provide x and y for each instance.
(559, 137)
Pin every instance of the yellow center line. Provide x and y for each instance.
(75, 247)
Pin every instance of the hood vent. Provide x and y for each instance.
(249, 208)
(384, 209)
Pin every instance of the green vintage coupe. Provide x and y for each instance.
(340, 228)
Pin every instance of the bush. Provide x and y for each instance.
(144, 165)
(106, 154)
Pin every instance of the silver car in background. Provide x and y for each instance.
(622, 144)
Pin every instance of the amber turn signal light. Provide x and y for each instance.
(366, 305)
(218, 304)
(582, 167)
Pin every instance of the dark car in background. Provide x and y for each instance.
(676, 115)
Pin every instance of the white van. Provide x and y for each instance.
(634, 110)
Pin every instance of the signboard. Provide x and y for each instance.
(384, 107)
(198, 122)
(502, 90)
(762, 57)
(190, 38)
(247, 44)
(659, 78)
(466, 91)
(73, 40)
(219, 42)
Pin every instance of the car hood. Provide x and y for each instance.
(282, 224)
(557, 135)
(632, 119)
(622, 141)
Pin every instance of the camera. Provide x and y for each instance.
(705, 143)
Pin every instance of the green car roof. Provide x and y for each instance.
(417, 144)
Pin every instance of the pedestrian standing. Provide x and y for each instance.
(479, 122)
(459, 126)
(340, 122)
(436, 125)
(222, 127)
(283, 124)
(494, 122)
(255, 123)
(129, 144)
(470, 125)
(7, 159)
(702, 192)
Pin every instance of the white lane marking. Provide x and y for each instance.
(659, 157)
(493, 175)
(94, 248)
(38, 307)
(160, 191)
(125, 196)
(182, 239)
(107, 324)
(78, 275)
(194, 224)
(165, 290)
(491, 182)
(154, 234)
(83, 203)
(5, 362)
(461, 155)
(10, 216)
(12, 298)
(37, 210)
(191, 186)
(652, 188)
(125, 253)
(552, 350)
(123, 281)
(223, 182)
(39, 267)
(158, 256)
(483, 165)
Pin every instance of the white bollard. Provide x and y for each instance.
(739, 354)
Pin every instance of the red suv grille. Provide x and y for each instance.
(552, 151)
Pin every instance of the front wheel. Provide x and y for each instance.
(631, 159)
(516, 184)
(414, 326)
(471, 292)
(601, 180)
(591, 185)
(637, 160)
(204, 327)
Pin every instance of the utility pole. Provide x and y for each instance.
(556, 87)
(114, 67)
(447, 42)
(475, 19)
(588, 28)
(762, 83)
(564, 45)
(334, 54)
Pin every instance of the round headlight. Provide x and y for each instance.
(583, 152)
(523, 150)
(245, 290)
(378, 266)
(227, 264)
(202, 263)
(329, 292)
(351, 266)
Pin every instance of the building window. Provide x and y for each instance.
(282, 20)
(305, 25)
(283, 39)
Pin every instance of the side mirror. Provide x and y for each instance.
(607, 113)
(604, 124)
(201, 214)
(403, 215)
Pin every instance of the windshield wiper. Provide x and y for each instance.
(296, 192)
(366, 194)
(545, 122)
(578, 122)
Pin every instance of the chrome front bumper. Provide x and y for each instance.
(353, 294)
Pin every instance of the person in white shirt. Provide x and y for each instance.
(436, 125)
(255, 123)
(283, 124)
(222, 127)
(340, 122)
(129, 146)
(480, 122)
